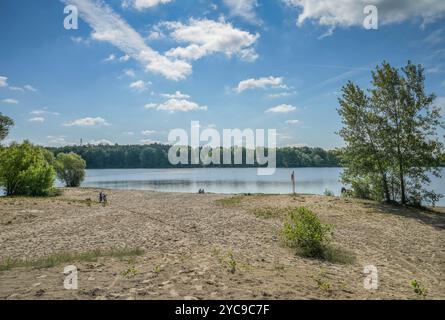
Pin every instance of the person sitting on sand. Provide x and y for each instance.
(101, 197)
(104, 198)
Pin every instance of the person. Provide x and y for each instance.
(101, 197)
(104, 198)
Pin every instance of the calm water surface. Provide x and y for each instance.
(218, 180)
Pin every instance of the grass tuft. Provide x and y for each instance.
(232, 201)
(67, 257)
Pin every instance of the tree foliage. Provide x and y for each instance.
(70, 168)
(5, 124)
(24, 170)
(392, 144)
(156, 156)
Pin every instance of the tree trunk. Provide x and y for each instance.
(386, 188)
(402, 186)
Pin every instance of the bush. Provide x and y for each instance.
(24, 170)
(304, 231)
(70, 168)
(328, 193)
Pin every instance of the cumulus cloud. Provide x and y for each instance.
(244, 9)
(147, 132)
(37, 119)
(176, 95)
(87, 122)
(204, 37)
(10, 101)
(100, 142)
(3, 81)
(110, 58)
(174, 105)
(109, 27)
(282, 108)
(348, 13)
(139, 85)
(261, 83)
(293, 122)
(143, 4)
(43, 112)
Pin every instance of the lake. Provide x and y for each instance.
(227, 181)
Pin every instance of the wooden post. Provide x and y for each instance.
(293, 182)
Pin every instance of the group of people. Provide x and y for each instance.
(201, 191)
(102, 197)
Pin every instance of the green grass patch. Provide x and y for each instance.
(232, 201)
(270, 212)
(67, 257)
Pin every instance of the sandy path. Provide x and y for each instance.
(187, 237)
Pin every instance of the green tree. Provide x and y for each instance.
(25, 171)
(70, 168)
(391, 135)
(5, 124)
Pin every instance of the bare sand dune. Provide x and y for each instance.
(187, 240)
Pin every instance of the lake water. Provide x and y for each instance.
(228, 181)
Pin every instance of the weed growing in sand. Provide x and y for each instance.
(303, 230)
(232, 201)
(130, 272)
(66, 257)
(419, 289)
(322, 283)
(231, 262)
(157, 269)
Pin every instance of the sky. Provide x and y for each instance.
(135, 69)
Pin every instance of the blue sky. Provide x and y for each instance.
(135, 69)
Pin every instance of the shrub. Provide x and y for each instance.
(24, 170)
(329, 193)
(70, 168)
(304, 231)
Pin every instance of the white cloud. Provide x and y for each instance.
(10, 101)
(149, 141)
(282, 108)
(58, 140)
(173, 105)
(243, 8)
(111, 57)
(176, 95)
(37, 119)
(129, 73)
(147, 132)
(100, 142)
(205, 37)
(30, 88)
(281, 94)
(87, 122)
(348, 13)
(293, 122)
(128, 133)
(139, 85)
(261, 83)
(44, 111)
(13, 88)
(3, 81)
(124, 58)
(143, 4)
(110, 27)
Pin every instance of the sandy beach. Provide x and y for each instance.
(190, 243)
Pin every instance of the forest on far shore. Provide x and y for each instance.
(156, 156)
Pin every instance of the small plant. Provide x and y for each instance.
(157, 269)
(130, 272)
(304, 231)
(322, 283)
(328, 193)
(231, 262)
(419, 289)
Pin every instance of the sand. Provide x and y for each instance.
(187, 239)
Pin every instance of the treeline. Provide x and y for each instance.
(156, 156)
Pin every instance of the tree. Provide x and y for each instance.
(391, 135)
(5, 124)
(25, 171)
(70, 168)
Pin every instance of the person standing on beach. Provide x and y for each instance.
(292, 177)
